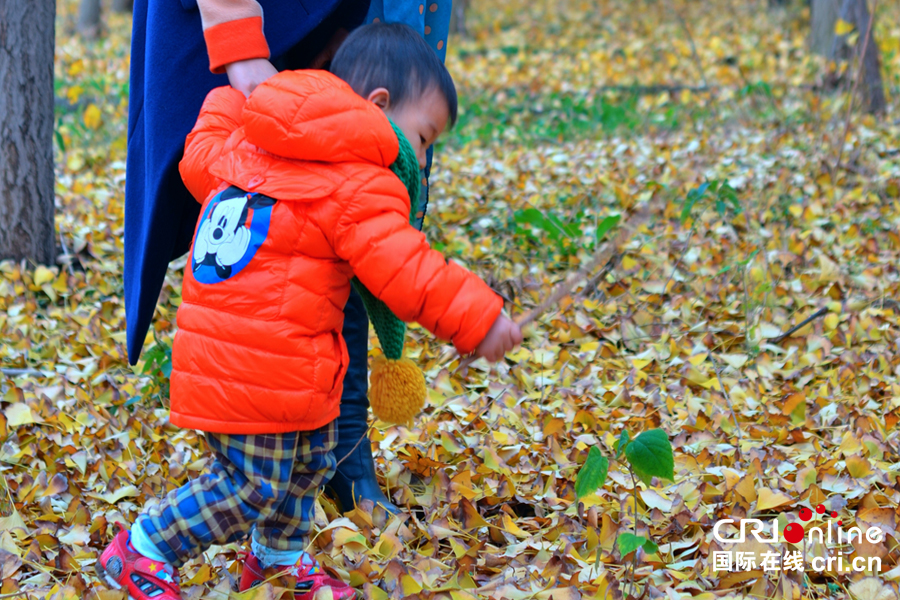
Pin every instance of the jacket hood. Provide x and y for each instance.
(312, 115)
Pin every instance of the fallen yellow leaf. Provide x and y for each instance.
(768, 498)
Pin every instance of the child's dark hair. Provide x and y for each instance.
(395, 57)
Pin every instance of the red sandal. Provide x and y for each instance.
(305, 577)
(123, 568)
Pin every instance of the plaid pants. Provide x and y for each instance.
(265, 483)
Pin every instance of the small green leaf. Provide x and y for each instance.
(701, 189)
(532, 216)
(686, 211)
(650, 547)
(727, 192)
(650, 454)
(747, 260)
(624, 438)
(152, 358)
(692, 197)
(592, 474)
(606, 224)
(628, 543)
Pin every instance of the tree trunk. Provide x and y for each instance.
(458, 18)
(123, 6)
(824, 16)
(856, 12)
(89, 18)
(26, 130)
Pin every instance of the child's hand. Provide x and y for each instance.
(503, 336)
(245, 75)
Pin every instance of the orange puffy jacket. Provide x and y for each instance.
(259, 346)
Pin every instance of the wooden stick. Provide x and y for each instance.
(564, 289)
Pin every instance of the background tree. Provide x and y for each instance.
(458, 18)
(824, 14)
(840, 30)
(90, 13)
(89, 18)
(856, 13)
(26, 129)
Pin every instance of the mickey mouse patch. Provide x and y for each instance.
(232, 228)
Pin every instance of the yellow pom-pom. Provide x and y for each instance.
(396, 390)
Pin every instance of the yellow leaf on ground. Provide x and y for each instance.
(8, 544)
(19, 414)
(42, 275)
(109, 594)
(771, 498)
(92, 117)
(510, 527)
(77, 536)
(202, 575)
(410, 585)
(735, 361)
(654, 500)
(113, 497)
(746, 487)
(769, 331)
(566, 593)
(792, 402)
(842, 27)
(12, 522)
(264, 591)
(74, 94)
(871, 588)
(858, 466)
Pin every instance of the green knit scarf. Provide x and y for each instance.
(390, 330)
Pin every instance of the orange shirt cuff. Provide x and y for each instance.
(231, 41)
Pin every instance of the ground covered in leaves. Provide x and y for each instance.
(570, 113)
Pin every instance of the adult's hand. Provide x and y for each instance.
(245, 75)
(324, 57)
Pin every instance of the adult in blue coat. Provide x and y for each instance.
(170, 77)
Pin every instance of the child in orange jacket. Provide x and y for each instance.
(300, 195)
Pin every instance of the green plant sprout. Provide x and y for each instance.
(158, 365)
(565, 235)
(719, 192)
(647, 456)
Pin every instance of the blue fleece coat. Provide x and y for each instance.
(170, 77)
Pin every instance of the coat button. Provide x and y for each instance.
(256, 181)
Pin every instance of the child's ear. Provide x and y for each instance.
(380, 97)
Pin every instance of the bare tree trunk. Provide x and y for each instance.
(458, 18)
(856, 12)
(123, 6)
(824, 16)
(26, 130)
(89, 18)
